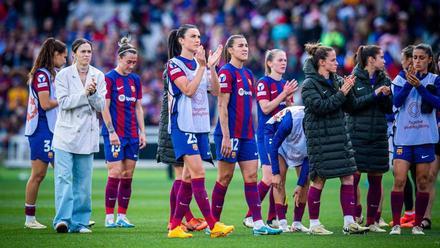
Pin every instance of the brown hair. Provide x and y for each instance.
(317, 52)
(125, 47)
(174, 47)
(78, 42)
(428, 50)
(407, 51)
(45, 56)
(270, 54)
(364, 52)
(229, 43)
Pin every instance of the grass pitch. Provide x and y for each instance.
(149, 209)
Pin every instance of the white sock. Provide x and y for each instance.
(348, 219)
(314, 222)
(121, 216)
(110, 218)
(30, 218)
(258, 224)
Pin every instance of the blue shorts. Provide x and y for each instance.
(262, 153)
(190, 144)
(129, 149)
(41, 145)
(415, 154)
(242, 149)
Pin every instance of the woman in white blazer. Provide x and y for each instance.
(80, 91)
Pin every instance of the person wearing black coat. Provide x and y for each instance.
(367, 125)
(328, 144)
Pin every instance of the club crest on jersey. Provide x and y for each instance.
(399, 150)
(115, 154)
(195, 147)
(249, 82)
(133, 89)
(414, 109)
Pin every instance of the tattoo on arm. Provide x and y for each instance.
(110, 127)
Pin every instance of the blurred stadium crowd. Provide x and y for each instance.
(343, 24)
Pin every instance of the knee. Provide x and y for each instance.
(38, 177)
(127, 173)
(347, 180)
(115, 172)
(250, 177)
(267, 178)
(399, 183)
(422, 183)
(225, 179)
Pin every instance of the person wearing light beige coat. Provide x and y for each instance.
(80, 92)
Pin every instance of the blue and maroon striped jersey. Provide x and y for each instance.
(40, 82)
(123, 92)
(240, 84)
(267, 89)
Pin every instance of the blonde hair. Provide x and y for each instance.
(270, 55)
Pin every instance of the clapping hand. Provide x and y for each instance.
(348, 84)
(214, 57)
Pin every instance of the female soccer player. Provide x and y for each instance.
(123, 132)
(407, 220)
(367, 125)
(234, 133)
(273, 94)
(165, 154)
(426, 222)
(328, 146)
(80, 91)
(416, 98)
(189, 122)
(40, 120)
(286, 143)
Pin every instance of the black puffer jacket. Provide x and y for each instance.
(165, 151)
(366, 122)
(328, 143)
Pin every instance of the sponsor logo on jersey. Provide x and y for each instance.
(243, 92)
(123, 98)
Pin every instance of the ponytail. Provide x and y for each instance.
(174, 47)
(364, 52)
(317, 52)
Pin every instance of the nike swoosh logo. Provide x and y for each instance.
(256, 153)
(359, 88)
(273, 92)
(316, 202)
(425, 156)
(126, 198)
(217, 206)
(351, 203)
(118, 88)
(183, 204)
(112, 199)
(238, 80)
(324, 91)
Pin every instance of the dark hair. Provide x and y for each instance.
(317, 52)
(270, 54)
(407, 51)
(364, 52)
(78, 42)
(174, 47)
(229, 43)
(428, 50)
(125, 47)
(45, 56)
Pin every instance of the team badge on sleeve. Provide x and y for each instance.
(222, 78)
(260, 89)
(42, 81)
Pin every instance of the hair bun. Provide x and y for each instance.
(125, 41)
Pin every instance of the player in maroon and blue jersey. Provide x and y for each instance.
(123, 132)
(234, 135)
(273, 94)
(40, 120)
(189, 124)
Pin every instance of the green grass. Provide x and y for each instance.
(149, 211)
